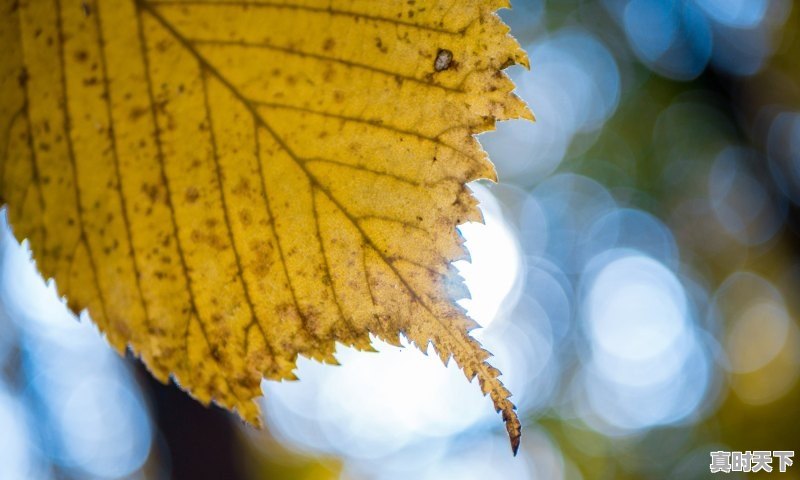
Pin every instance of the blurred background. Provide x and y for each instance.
(638, 277)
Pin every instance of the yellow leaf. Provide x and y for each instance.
(225, 185)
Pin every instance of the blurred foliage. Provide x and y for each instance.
(637, 276)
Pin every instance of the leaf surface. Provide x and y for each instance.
(226, 185)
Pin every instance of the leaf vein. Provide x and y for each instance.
(362, 168)
(307, 8)
(275, 230)
(74, 163)
(372, 122)
(115, 152)
(325, 58)
(326, 264)
(219, 176)
(162, 171)
(7, 145)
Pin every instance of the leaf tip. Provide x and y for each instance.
(514, 428)
(523, 60)
(528, 114)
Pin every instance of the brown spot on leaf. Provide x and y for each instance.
(22, 78)
(137, 112)
(192, 194)
(444, 59)
(380, 46)
(242, 187)
(245, 218)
